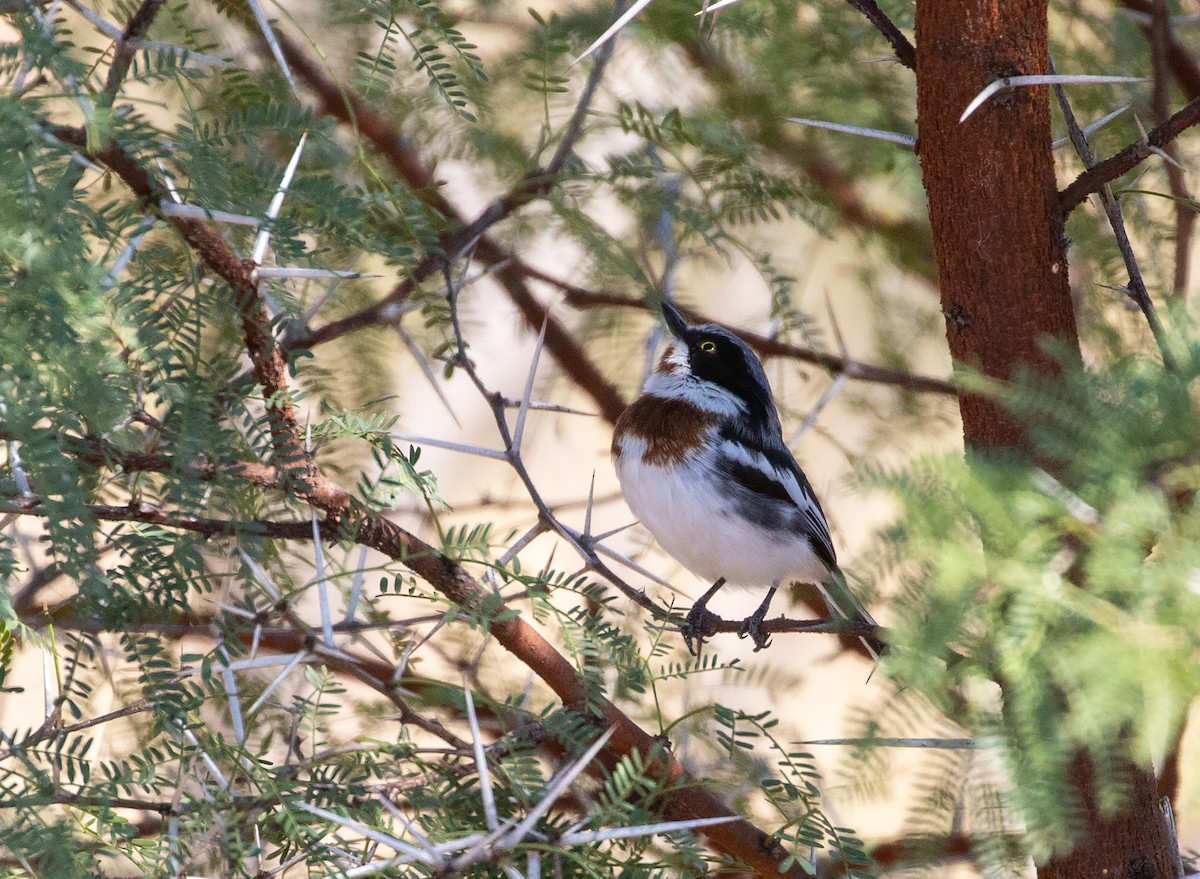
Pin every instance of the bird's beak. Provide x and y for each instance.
(675, 322)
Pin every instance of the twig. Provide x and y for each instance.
(1112, 208)
(512, 454)
(583, 298)
(906, 53)
(1103, 173)
(138, 24)
(51, 731)
(32, 506)
(713, 624)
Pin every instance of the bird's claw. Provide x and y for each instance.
(752, 626)
(700, 623)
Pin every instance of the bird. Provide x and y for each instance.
(702, 463)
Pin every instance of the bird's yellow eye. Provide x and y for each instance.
(708, 346)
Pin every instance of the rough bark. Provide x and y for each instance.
(997, 236)
(1135, 843)
(993, 201)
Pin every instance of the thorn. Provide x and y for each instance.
(906, 140)
(1009, 82)
(264, 233)
(587, 516)
(269, 35)
(613, 29)
(519, 430)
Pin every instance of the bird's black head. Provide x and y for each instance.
(718, 356)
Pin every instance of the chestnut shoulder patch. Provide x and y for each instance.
(669, 428)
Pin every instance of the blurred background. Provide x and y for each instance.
(678, 174)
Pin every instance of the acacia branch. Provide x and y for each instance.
(1103, 173)
(906, 53)
(33, 506)
(340, 103)
(582, 298)
(1112, 208)
(686, 799)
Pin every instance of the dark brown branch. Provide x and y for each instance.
(27, 506)
(906, 54)
(138, 24)
(1183, 65)
(1112, 208)
(49, 730)
(854, 631)
(1110, 169)
(582, 298)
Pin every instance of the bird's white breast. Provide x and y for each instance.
(683, 505)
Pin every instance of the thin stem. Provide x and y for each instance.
(1112, 208)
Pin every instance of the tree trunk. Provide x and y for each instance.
(993, 200)
(997, 236)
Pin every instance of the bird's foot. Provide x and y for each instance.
(752, 626)
(700, 623)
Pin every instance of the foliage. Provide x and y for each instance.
(226, 695)
(1083, 611)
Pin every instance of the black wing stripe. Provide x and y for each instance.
(768, 486)
(754, 479)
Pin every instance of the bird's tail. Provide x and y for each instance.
(843, 604)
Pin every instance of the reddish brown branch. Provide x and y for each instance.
(686, 799)
(1093, 179)
(266, 356)
(340, 103)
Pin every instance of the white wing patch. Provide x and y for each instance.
(756, 459)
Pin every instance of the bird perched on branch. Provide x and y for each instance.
(702, 463)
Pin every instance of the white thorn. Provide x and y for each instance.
(906, 140)
(264, 233)
(1008, 82)
(616, 26)
(269, 35)
(519, 430)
